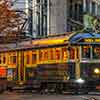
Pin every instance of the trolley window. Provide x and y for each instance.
(13, 59)
(90, 71)
(27, 59)
(52, 54)
(58, 53)
(34, 58)
(96, 52)
(64, 54)
(72, 53)
(46, 55)
(4, 59)
(0, 59)
(40, 55)
(86, 52)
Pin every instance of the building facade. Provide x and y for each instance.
(57, 16)
(49, 17)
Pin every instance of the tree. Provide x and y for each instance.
(11, 22)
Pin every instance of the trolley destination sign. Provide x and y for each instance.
(90, 40)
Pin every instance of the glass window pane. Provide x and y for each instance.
(72, 53)
(41, 55)
(12, 59)
(93, 8)
(34, 58)
(98, 10)
(27, 59)
(0, 59)
(4, 59)
(85, 52)
(87, 5)
(45, 55)
(58, 53)
(96, 52)
(51, 54)
(64, 54)
(88, 70)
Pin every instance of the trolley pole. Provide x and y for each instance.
(77, 60)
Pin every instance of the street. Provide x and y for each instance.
(31, 96)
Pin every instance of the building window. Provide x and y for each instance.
(93, 8)
(38, 1)
(98, 10)
(87, 6)
(75, 15)
(42, 18)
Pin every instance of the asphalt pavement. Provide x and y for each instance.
(31, 96)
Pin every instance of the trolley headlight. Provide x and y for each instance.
(96, 71)
(80, 80)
